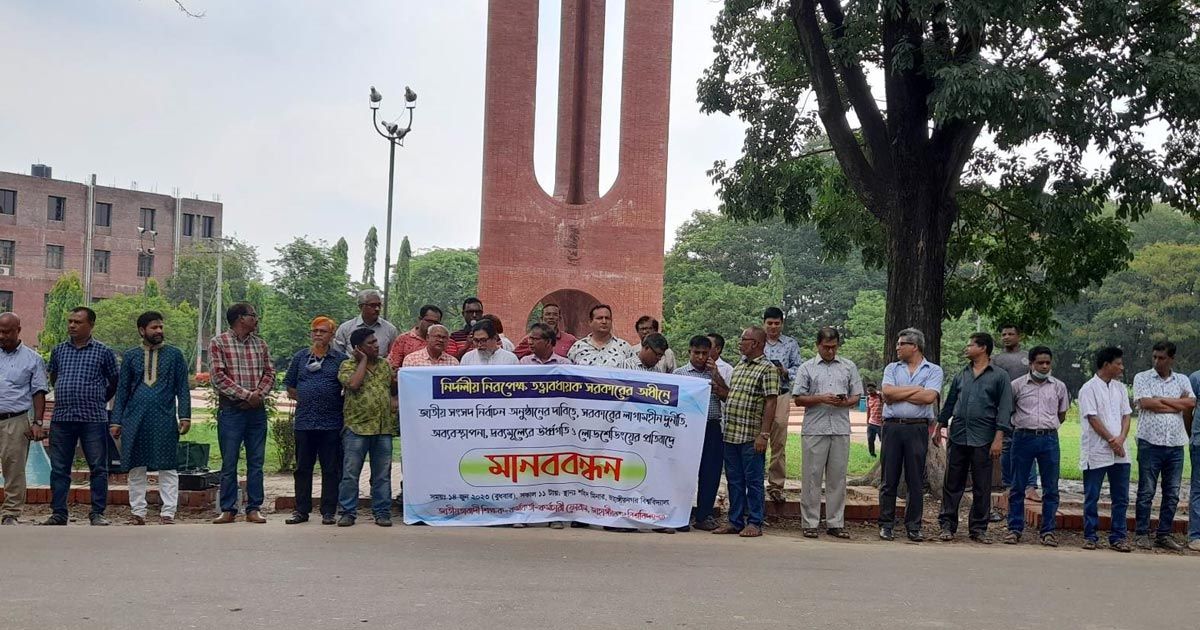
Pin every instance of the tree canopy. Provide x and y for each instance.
(974, 179)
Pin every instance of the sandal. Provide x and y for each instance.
(751, 531)
(811, 533)
(1049, 540)
(727, 529)
(838, 532)
(1012, 538)
(1089, 544)
(1122, 545)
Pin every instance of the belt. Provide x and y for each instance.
(5, 415)
(1036, 431)
(907, 420)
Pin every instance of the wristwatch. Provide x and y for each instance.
(765, 436)
(37, 423)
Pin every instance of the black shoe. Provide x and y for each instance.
(916, 536)
(328, 519)
(8, 520)
(885, 533)
(578, 525)
(707, 525)
(345, 521)
(619, 529)
(383, 521)
(98, 520)
(56, 519)
(296, 518)
(1167, 542)
(981, 538)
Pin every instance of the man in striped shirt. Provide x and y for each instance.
(243, 377)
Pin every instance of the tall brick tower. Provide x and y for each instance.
(575, 248)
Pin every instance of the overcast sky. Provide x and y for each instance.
(264, 104)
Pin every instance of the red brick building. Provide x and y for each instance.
(114, 238)
(577, 246)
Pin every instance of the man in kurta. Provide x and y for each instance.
(153, 408)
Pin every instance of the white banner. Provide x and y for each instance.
(491, 445)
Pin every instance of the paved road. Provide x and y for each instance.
(247, 576)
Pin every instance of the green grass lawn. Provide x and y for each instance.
(1068, 441)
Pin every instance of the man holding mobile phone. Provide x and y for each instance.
(784, 353)
(827, 386)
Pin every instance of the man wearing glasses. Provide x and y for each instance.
(414, 339)
(487, 347)
(649, 354)
(472, 312)
(370, 305)
(243, 377)
(312, 381)
(542, 343)
(911, 387)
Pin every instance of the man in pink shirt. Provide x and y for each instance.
(564, 340)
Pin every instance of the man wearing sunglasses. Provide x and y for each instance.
(312, 381)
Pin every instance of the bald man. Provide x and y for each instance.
(22, 389)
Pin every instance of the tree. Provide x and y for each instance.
(116, 321)
(196, 272)
(66, 294)
(816, 290)
(370, 249)
(399, 300)
(912, 186)
(443, 277)
(698, 301)
(864, 342)
(310, 279)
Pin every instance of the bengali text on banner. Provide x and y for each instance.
(493, 445)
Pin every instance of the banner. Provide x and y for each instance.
(494, 445)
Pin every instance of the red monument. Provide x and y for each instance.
(575, 247)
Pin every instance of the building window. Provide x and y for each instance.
(145, 265)
(148, 219)
(188, 224)
(206, 227)
(56, 208)
(54, 256)
(8, 201)
(100, 260)
(6, 301)
(8, 254)
(103, 214)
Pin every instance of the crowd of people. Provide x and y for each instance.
(1002, 406)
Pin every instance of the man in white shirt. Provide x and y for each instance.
(487, 347)
(1104, 412)
(1163, 396)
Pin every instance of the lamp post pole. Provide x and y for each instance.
(394, 134)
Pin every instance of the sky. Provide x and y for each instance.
(263, 106)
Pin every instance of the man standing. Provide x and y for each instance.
(600, 347)
(874, 418)
(749, 412)
(370, 425)
(84, 374)
(1163, 396)
(1014, 361)
(646, 326)
(827, 386)
(911, 387)
(472, 312)
(243, 376)
(22, 388)
(153, 408)
(784, 353)
(980, 401)
(370, 305)
(1040, 404)
(312, 381)
(1194, 487)
(436, 339)
(551, 316)
(1104, 410)
(701, 365)
(414, 339)
(718, 346)
(542, 344)
(650, 354)
(487, 347)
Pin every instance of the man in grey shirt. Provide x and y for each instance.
(1015, 361)
(827, 386)
(370, 304)
(981, 403)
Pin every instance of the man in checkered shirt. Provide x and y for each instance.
(749, 412)
(243, 377)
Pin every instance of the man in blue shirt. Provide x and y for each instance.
(1194, 442)
(911, 387)
(22, 388)
(312, 381)
(784, 352)
(84, 374)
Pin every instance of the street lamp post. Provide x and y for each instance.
(394, 134)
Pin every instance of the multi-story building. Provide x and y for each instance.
(114, 238)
